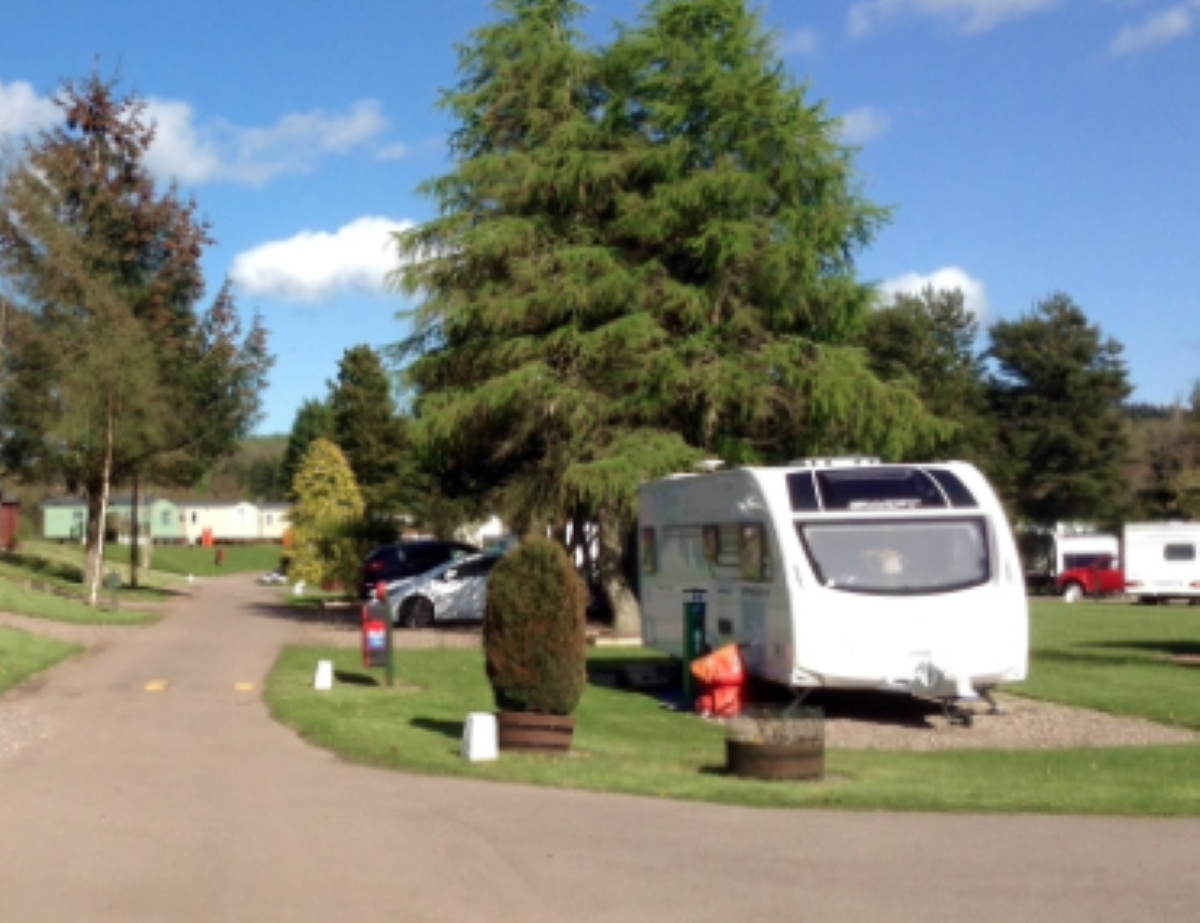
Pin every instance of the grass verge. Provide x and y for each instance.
(23, 654)
(15, 598)
(626, 742)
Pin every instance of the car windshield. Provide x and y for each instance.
(897, 558)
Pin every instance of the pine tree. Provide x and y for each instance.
(928, 341)
(644, 256)
(1057, 395)
(314, 420)
(370, 431)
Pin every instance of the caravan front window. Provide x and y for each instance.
(898, 558)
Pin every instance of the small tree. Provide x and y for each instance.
(325, 517)
(314, 420)
(369, 429)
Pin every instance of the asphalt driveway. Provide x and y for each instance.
(160, 790)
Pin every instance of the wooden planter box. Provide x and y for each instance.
(776, 744)
(525, 732)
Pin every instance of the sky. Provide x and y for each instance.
(1026, 147)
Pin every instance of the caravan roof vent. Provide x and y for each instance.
(837, 462)
(709, 465)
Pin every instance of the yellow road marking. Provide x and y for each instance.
(156, 685)
(244, 687)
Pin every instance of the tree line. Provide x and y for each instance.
(644, 256)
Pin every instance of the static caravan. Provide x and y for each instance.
(223, 520)
(841, 573)
(1162, 561)
(273, 520)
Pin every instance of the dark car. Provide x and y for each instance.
(390, 563)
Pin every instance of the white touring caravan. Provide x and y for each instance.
(841, 573)
(1162, 561)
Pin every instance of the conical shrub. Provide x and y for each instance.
(535, 630)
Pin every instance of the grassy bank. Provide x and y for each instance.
(23, 654)
(1117, 658)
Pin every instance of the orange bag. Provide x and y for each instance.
(723, 667)
(720, 702)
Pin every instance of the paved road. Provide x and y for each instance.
(189, 804)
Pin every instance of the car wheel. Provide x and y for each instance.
(418, 613)
(1072, 593)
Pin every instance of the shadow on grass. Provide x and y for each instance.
(1172, 647)
(355, 679)
(56, 570)
(451, 729)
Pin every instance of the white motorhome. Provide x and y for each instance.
(1162, 561)
(841, 573)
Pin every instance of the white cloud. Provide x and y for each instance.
(864, 124)
(192, 151)
(217, 150)
(968, 16)
(947, 278)
(22, 111)
(315, 266)
(397, 151)
(799, 42)
(1157, 29)
(179, 150)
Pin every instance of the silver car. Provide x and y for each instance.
(455, 591)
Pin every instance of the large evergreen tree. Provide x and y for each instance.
(644, 256)
(1057, 393)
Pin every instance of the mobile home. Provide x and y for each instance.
(841, 573)
(1162, 561)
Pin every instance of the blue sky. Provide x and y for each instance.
(1027, 146)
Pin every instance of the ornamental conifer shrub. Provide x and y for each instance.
(535, 630)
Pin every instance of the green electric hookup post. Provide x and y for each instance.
(695, 608)
(112, 580)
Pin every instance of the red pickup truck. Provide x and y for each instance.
(1103, 577)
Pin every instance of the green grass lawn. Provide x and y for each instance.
(202, 562)
(1117, 658)
(1101, 656)
(23, 654)
(36, 604)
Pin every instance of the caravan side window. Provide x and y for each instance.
(712, 544)
(1179, 552)
(649, 552)
(754, 557)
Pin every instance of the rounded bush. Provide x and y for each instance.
(535, 630)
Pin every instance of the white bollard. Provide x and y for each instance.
(298, 589)
(479, 737)
(323, 681)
